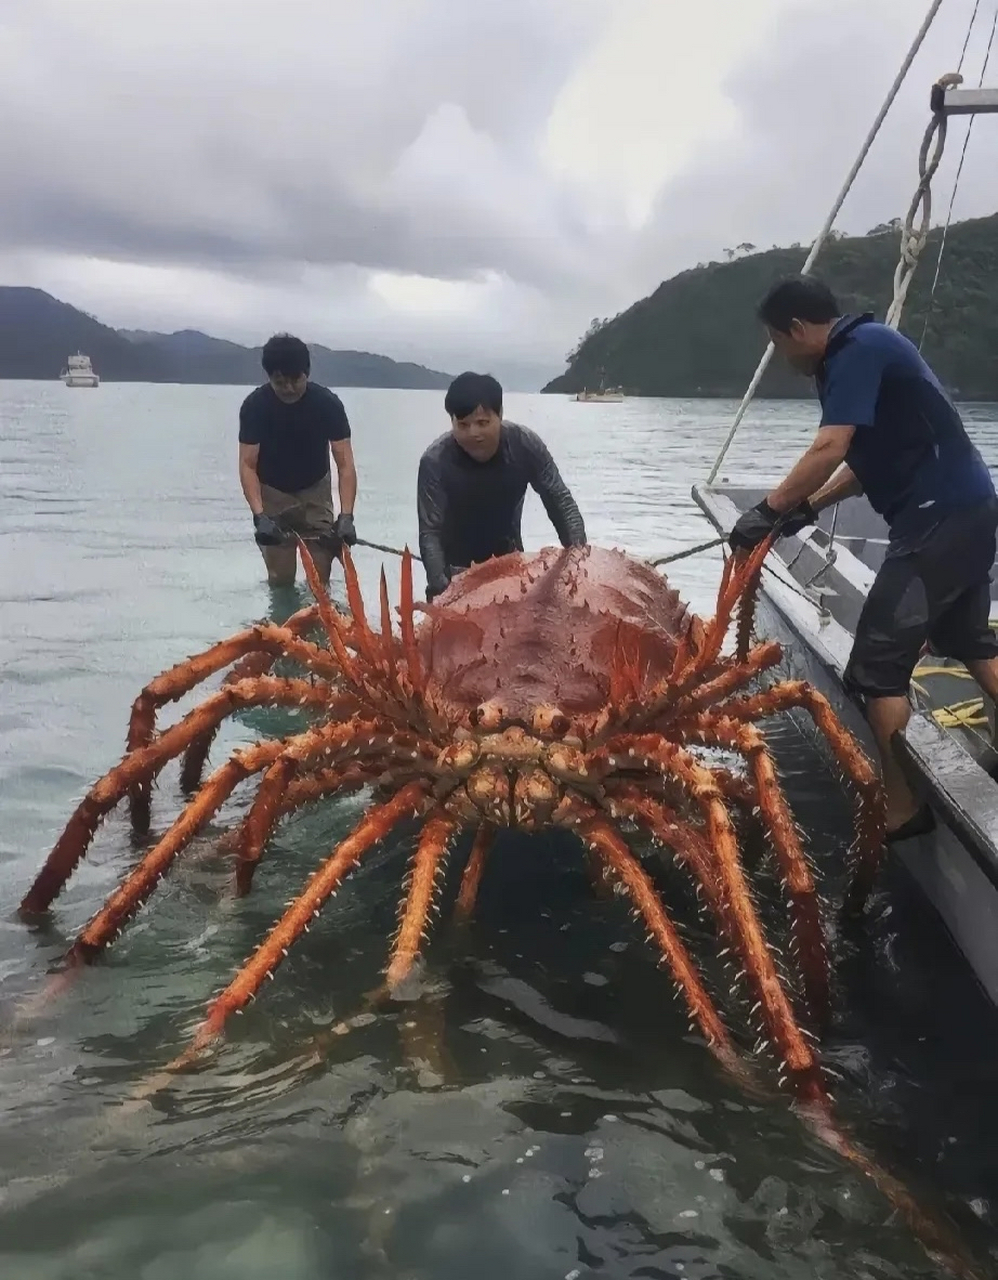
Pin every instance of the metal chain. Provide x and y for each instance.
(912, 241)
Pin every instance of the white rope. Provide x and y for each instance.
(829, 222)
(912, 241)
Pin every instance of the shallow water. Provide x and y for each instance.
(538, 1108)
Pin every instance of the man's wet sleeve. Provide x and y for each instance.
(431, 508)
(561, 507)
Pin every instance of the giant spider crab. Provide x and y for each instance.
(568, 688)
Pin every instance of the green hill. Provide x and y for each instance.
(38, 333)
(697, 334)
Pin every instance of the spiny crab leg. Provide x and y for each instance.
(872, 815)
(359, 738)
(373, 827)
(427, 866)
(145, 762)
(796, 874)
(105, 926)
(257, 663)
(475, 866)
(689, 846)
(182, 678)
(798, 1057)
(599, 835)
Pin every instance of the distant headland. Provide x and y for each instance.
(697, 334)
(38, 333)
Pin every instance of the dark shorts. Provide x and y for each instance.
(940, 593)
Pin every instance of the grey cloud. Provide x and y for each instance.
(290, 147)
(224, 135)
(805, 106)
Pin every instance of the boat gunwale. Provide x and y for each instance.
(973, 819)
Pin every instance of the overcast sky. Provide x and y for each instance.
(462, 182)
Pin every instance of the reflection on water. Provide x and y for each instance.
(537, 1106)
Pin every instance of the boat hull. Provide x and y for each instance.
(956, 865)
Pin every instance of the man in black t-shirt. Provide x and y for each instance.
(473, 480)
(287, 430)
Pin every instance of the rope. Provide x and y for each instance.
(829, 222)
(690, 551)
(912, 241)
(959, 170)
(389, 551)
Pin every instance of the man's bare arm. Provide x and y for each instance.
(814, 469)
(346, 474)
(249, 455)
(841, 486)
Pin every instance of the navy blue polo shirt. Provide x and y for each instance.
(910, 450)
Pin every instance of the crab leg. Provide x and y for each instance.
(472, 878)
(798, 881)
(373, 827)
(427, 865)
(798, 1057)
(145, 762)
(258, 663)
(871, 818)
(601, 837)
(181, 679)
(329, 740)
(357, 737)
(105, 926)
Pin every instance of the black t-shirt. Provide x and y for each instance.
(293, 438)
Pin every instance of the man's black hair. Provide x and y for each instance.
(799, 298)
(285, 354)
(471, 391)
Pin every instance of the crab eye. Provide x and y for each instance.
(487, 715)
(551, 722)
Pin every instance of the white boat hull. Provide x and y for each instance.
(93, 381)
(955, 866)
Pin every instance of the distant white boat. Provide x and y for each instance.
(79, 372)
(610, 395)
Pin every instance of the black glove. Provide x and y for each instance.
(799, 518)
(268, 532)
(331, 542)
(344, 528)
(756, 524)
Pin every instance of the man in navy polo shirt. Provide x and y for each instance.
(888, 430)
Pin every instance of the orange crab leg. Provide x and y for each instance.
(472, 877)
(427, 865)
(798, 881)
(182, 678)
(600, 836)
(144, 763)
(356, 736)
(871, 818)
(373, 827)
(798, 1057)
(105, 926)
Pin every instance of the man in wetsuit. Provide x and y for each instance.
(473, 480)
(287, 430)
(889, 430)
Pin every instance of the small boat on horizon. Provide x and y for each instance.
(607, 396)
(79, 372)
